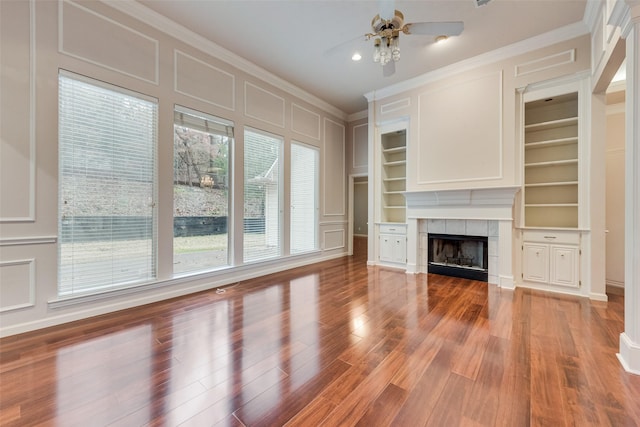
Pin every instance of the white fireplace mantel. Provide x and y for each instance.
(492, 203)
(491, 196)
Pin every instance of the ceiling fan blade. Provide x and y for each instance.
(386, 8)
(437, 28)
(389, 69)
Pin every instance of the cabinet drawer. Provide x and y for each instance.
(393, 229)
(552, 237)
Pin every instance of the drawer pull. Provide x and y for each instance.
(550, 237)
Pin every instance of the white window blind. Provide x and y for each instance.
(201, 150)
(304, 198)
(262, 196)
(107, 162)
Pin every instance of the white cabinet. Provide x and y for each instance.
(393, 244)
(536, 262)
(551, 258)
(555, 172)
(564, 266)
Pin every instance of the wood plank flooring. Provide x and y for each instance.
(333, 344)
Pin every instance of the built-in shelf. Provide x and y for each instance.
(550, 205)
(551, 143)
(396, 163)
(394, 150)
(551, 184)
(551, 162)
(393, 173)
(552, 124)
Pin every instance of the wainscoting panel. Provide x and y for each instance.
(199, 80)
(334, 170)
(91, 37)
(305, 122)
(17, 284)
(17, 154)
(263, 105)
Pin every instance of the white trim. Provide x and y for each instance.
(31, 262)
(31, 240)
(324, 239)
(400, 104)
(31, 215)
(353, 146)
(358, 116)
(155, 80)
(293, 122)
(140, 296)
(629, 355)
(343, 170)
(167, 26)
(246, 104)
(208, 101)
(571, 58)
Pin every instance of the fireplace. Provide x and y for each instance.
(458, 256)
(486, 212)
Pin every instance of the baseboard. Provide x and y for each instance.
(629, 355)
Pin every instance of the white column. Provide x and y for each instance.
(505, 248)
(412, 245)
(630, 339)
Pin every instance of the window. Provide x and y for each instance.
(201, 146)
(107, 163)
(304, 198)
(262, 195)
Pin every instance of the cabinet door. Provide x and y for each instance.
(564, 266)
(399, 253)
(386, 247)
(536, 262)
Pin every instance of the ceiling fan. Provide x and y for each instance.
(386, 35)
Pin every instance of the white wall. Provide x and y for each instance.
(615, 195)
(38, 38)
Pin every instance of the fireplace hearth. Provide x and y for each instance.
(458, 256)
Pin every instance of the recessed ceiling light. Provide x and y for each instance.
(356, 57)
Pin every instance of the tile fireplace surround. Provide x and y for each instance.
(476, 212)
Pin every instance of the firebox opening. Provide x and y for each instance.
(458, 256)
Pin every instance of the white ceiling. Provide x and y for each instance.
(309, 43)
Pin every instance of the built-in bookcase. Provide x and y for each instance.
(551, 157)
(393, 173)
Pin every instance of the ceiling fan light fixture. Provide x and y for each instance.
(441, 38)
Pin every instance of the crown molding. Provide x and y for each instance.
(171, 28)
(357, 116)
(537, 42)
(591, 12)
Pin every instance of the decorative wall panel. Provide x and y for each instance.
(91, 37)
(360, 146)
(199, 80)
(17, 284)
(334, 239)
(448, 152)
(17, 152)
(263, 105)
(334, 168)
(545, 63)
(305, 122)
(395, 106)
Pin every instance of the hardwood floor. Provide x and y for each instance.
(333, 344)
